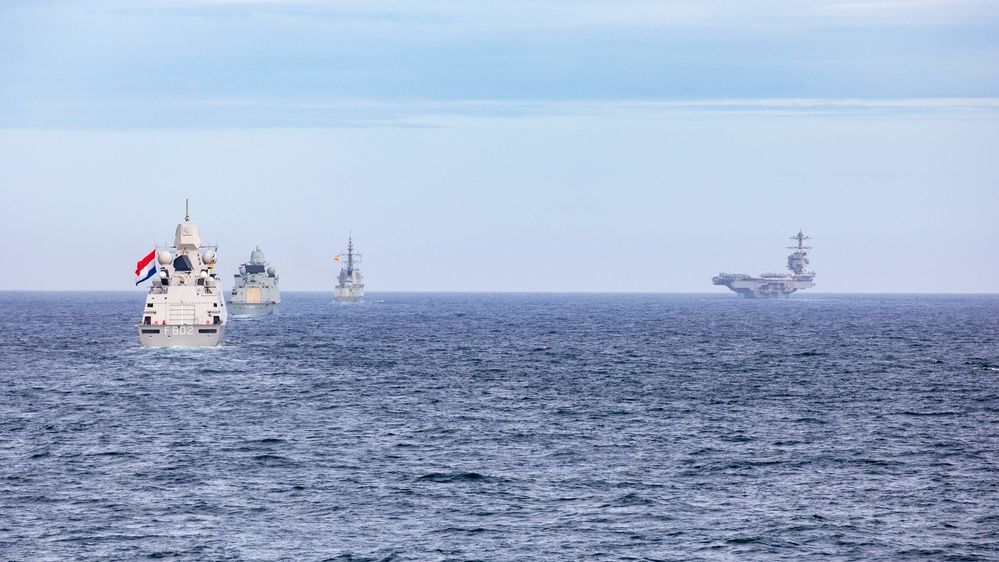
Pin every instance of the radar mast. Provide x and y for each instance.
(350, 253)
(801, 239)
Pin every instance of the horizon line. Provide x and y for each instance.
(276, 113)
(474, 292)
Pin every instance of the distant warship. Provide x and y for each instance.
(255, 291)
(350, 287)
(774, 285)
(184, 307)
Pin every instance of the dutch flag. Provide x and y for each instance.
(145, 268)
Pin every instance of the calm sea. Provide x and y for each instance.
(505, 427)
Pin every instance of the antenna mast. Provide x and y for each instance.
(187, 210)
(350, 253)
(801, 239)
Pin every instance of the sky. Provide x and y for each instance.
(504, 146)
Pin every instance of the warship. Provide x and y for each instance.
(350, 287)
(255, 291)
(184, 306)
(774, 285)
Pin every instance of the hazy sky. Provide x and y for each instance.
(505, 146)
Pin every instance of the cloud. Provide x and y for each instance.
(563, 14)
(181, 63)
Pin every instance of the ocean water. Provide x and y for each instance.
(505, 427)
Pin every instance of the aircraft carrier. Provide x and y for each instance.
(774, 285)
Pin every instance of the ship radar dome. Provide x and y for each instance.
(208, 257)
(256, 256)
(187, 236)
(271, 271)
(165, 258)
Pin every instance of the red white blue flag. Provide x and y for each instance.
(145, 268)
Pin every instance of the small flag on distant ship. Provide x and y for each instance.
(336, 257)
(145, 268)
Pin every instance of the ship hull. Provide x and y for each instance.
(763, 293)
(763, 288)
(348, 294)
(252, 309)
(181, 335)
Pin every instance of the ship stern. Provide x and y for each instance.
(182, 335)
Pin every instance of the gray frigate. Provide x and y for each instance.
(255, 288)
(184, 306)
(350, 285)
(774, 285)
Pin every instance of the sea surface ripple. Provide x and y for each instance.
(505, 427)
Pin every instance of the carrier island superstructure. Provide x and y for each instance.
(774, 285)
(350, 284)
(255, 288)
(184, 306)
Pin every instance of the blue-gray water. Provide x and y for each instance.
(505, 427)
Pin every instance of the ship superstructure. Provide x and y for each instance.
(350, 284)
(774, 285)
(255, 288)
(184, 306)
